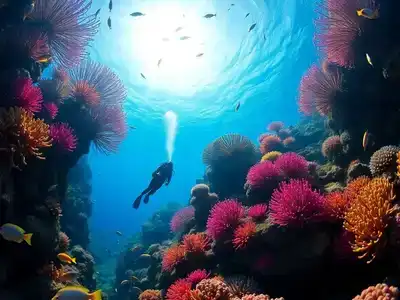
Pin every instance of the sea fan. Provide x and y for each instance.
(28, 96)
(181, 218)
(63, 137)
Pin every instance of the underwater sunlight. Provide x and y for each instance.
(171, 124)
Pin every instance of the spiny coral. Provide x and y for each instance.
(261, 173)
(379, 291)
(295, 204)
(179, 290)
(27, 95)
(197, 243)
(336, 204)
(243, 234)
(368, 216)
(150, 295)
(63, 137)
(224, 217)
(172, 257)
(306, 100)
(213, 289)
(258, 212)
(85, 93)
(181, 218)
(270, 143)
(271, 156)
(355, 186)
(331, 147)
(51, 109)
(292, 165)
(384, 160)
(196, 276)
(240, 285)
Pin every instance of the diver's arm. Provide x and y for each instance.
(158, 171)
(168, 179)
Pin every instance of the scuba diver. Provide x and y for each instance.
(162, 175)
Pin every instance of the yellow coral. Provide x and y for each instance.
(150, 295)
(368, 217)
(355, 186)
(271, 156)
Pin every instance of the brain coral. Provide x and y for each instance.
(384, 160)
(379, 291)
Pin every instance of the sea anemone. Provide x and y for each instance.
(225, 216)
(213, 289)
(262, 173)
(292, 165)
(28, 96)
(368, 216)
(52, 109)
(179, 290)
(243, 235)
(197, 243)
(295, 203)
(181, 218)
(275, 126)
(240, 285)
(172, 257)
(150, 295)
(379, 291)
(306, 99)
(331, 147)
(196, 276)
(258, 212)
(67, 26)
(384, 160)
(63, 137)
(270, 143)
(271, 156)
(336, 204)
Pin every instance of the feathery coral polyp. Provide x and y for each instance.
(181, 218)
(336, 204)
(368, 216)
(292, 165)
(196, 276)
(306, 99)
(197, 243)
(52, 109)
(82, 91)
(28, 96)
(172, 257)
(258, 212)
(63, 137)
(179, 290)
(355, 186)
(243, 234)
(261, 173)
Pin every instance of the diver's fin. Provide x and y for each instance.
(146, 199)
(137, 202)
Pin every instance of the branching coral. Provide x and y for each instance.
(68, 27)
(379, 291)
(181, 218)
(63, 137)
(243, 235)
(292, 165)
(295, 204)
(179, 290)
(368, 216)
(197, 243)
(172, 257)
(150, 295)
(196, 276)
(384, 160)
(225, 216)
(258, 212)
(271, 156)
(213, 289)
(27, 96)
(355, 186)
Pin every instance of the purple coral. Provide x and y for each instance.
(262, 173)
(68, 28)
(63, 136)
(51, 108)
(292, 165)
(225, 216)
(306, 99)
(27, 95)
(181, 218)
(258, 212)
(295, 203)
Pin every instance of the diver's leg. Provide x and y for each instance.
(139, 198)
(147, 197)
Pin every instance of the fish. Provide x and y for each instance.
(135, 248)
(123, 282)
(165, 39)
(144, 77)
(44, 59)
(68, 276)
(134, 278)
(369, 59)
(368, 13)
(118, 233)
(209, 16)
(264, 37)
(76, 293)
(367, 140)
(97, 13)
(252, 27)
(14, 233)
(109, 22)
(185, 37)
(52, 188)
(200, 55)
(64, 257)
(247, 15)
(178, 29)
(237, 106)
(385, 73)
(110, 5)
(28, 9)
(159, 62)
(132, 127)
(137, 14)
(145, 255)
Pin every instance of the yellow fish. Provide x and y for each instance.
(44, 59)
(14, 233)
(368, 13)
(76, 293)
(145, 255)
(64, 257)
(68, 276)
(369, 59)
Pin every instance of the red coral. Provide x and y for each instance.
(292, 165)
(63, 137)
(181, 219)
(275, 126)
(172, 257)
(179, 290)
(225, 216)
(27, 95)
(336, 204)
(243, 234)
(295, 204)
(197, 243)
(270, 143)
(196, 276)
(52, 109)
(258, 212)
(262, 173)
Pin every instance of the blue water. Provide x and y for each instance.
(237, 66)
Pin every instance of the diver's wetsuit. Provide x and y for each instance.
(162, 175)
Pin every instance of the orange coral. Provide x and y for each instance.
(380, 291)
(336, 205)
(270, 143)
(196, 243)
(150, 295)
(368, 216)
(355, 186)
(24, 134)
(83, 91)
(172, 257)
(243, 234)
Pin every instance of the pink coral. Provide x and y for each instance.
(331, 146)
(275, 126)
(306, 99)
(51, 108)
(181, 218)
(179, 290)
(63, 137)
(261, 173)
(295, 204)
(270, 143)
(196, 276)
(225, 216)
(63, 242)
(258, 212)
(292, 165)
(243, 234)
(27, 95)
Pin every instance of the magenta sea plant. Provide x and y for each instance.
(181, 218)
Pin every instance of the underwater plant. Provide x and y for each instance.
(63, 137)
(181, 219)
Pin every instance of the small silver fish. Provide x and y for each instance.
(97, 13)
(208, 16)
(110, 5)
(52, 188)
(144, 77)
(252, 27)
(385, 74)
(132, 127)
(237, 106)
(178, 29)
(109, 22)
(137, 14)
(185, 37)
(159, 62)
(200, 55)
(247, 15)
